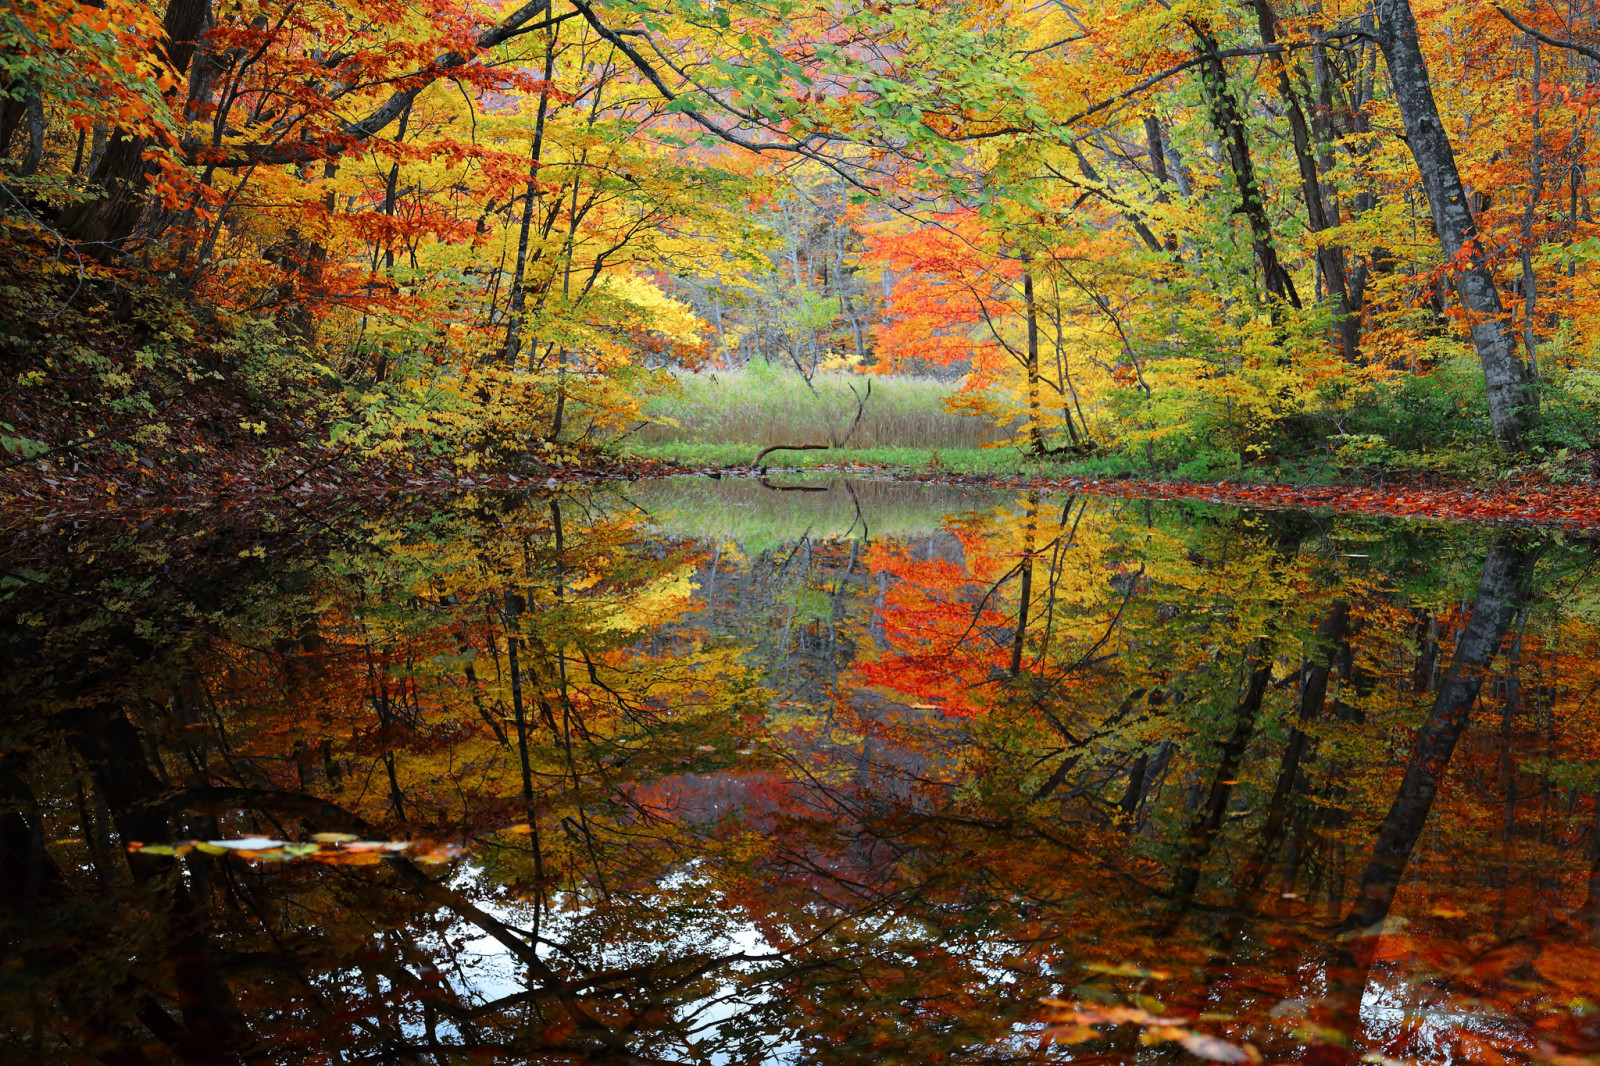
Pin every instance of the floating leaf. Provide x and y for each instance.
(1215, 1048)
(249, 844)
(377, 845)
(1126, 969)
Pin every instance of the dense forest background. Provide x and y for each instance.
(1191, 234)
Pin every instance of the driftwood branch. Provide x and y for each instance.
(861, 406)
(790, 448)
(833, 442)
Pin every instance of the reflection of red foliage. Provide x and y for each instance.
(939, 624)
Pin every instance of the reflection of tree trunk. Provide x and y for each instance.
(111, 749)
(1136, 779)
(1203, 829)
(1332, 632)
(519, 715)
(1592, 904)
(1503, 589)
(1145, 777)
(1206, 823)
(28, 875)
(210, 1028)
(1027, 585)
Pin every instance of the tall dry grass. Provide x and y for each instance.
(762, 405)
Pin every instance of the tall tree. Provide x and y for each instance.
(1513, 394)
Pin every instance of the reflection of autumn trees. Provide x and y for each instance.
(469, 673)
(1219, 712)
(833, 800)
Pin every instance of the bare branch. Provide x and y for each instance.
(353, 133)
(1581, 49)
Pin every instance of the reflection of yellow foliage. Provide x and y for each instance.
(658, 602)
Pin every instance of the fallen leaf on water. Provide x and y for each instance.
(1126, 969)
(1217, 1049)
(377, 845)
(249, 844)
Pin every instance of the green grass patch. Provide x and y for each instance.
(762, 405)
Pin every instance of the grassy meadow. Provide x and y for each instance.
(725, 417)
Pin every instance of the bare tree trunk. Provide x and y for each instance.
(1513, 399)
(519, 294)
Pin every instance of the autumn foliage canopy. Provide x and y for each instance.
(1194, 234)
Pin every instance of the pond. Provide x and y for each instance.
(697, 771)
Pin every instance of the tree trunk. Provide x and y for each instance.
(1530, 215)
(1513, 400)
(34, 155)
(1230, 129)
(121, 173)
(518, 291)
(1329, 256)
(1035, 430)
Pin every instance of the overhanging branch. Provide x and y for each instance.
(1581, 49)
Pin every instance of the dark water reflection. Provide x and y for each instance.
(709, 772)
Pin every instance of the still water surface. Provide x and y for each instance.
(721, 772)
